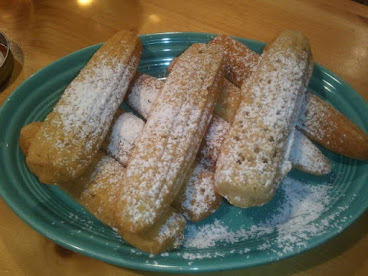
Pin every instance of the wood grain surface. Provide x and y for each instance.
(43, 31)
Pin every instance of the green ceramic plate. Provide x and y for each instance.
(306, 211)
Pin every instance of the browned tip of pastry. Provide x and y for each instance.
(325, 125)
(165, 235)
(171, 137)
(26, 135)
(239, 59)
(197, 198)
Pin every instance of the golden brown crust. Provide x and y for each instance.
(73, 132)
(171, 137)
(27, 134)
(97, 190)
(145, 93)
(325, 125)
(239, 60)
(229, 101)
(341, 136)
(165, 235)
(255, 157)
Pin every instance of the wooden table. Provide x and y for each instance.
(42, 31)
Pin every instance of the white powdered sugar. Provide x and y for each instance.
(143, 94)
(254, 150)
(295, 221)
(306, 155)
(170, 139)
(300, 213)
(213, 141)
(200, 198)
(125, 130)
(208, 235)
(84, 101)
(240, 61)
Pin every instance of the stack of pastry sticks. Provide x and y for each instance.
(225, 124)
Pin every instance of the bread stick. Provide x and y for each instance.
(255, 153)
(197, 197)
(170, 139)
(101, 188)
(97, 190)
(320, 122)
(305, 152)
(73, 132)
(328, 127)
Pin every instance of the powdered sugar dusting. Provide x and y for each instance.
(254, 151)
(299, 214)
(314, 118)
(173, 228)
(213, 141)
(171, 137)
(240, 61)
(199, 198)
(294, 222)
(72, 134)
(143, 94)
(306, 155)
(84, 101)
(124, 132)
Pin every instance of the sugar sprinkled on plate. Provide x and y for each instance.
(301, 214)
(294, 222)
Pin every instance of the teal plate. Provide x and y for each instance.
(306, 211)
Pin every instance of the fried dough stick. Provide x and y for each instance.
(255, 154)
(166, 150)
(97, 190)
(306, 156)
(73, 132)
(197, 197)
(320, 121)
